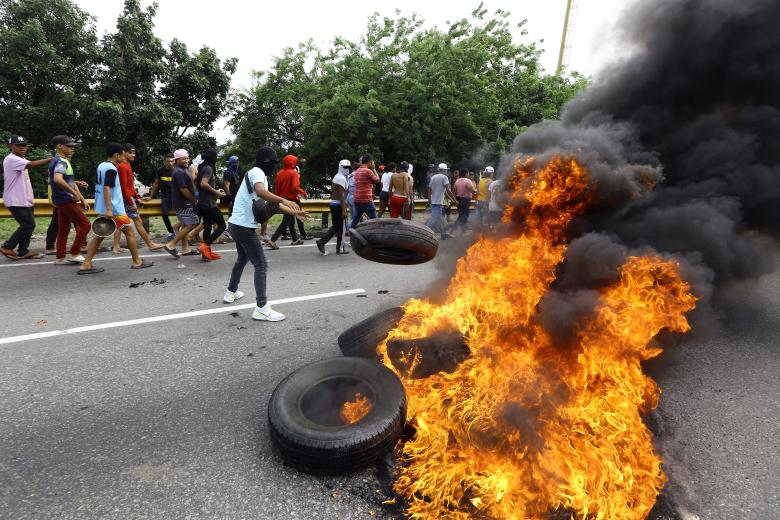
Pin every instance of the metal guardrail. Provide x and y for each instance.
(44, 208)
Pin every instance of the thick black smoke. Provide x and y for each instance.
(696, 109)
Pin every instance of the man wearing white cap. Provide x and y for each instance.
(338, 210)
(184, 202)
(439, 188)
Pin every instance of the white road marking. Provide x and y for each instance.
(168, 317)
(150, 255)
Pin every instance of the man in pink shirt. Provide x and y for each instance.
(365, 178)
(18, 198)
(464, 191)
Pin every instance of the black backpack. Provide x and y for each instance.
(261, 209)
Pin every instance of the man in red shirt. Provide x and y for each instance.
(365, 178)
(288, 186)
(132, 200)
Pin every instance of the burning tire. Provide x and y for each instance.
(337, 415)
(394, 241)
(361, 339)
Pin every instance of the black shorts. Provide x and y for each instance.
(384, 196)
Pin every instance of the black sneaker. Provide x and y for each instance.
(321, 247)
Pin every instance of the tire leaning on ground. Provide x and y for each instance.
(394, 241)
(305, 422)
(361, 339)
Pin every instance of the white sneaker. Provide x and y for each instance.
(230, 297)
(266, 313)
(78, 259)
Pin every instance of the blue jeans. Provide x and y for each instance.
(362, 207)
(249, 249)
(436, 220)
(352, 208)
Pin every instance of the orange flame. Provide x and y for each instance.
(523, 427)
(353, 411)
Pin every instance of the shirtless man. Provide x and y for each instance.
(400, 191)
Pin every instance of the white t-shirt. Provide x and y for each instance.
(339, 180)
(494, 189)
(386, 178)
(242, 206)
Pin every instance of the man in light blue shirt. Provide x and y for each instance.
(242, 226)
(439, 188)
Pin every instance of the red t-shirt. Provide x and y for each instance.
(364, 185)
(127, 181)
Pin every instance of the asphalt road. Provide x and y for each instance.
(167, 419)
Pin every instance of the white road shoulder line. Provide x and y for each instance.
(168, 317)
(149, 255)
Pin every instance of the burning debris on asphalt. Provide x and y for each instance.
(622, 219)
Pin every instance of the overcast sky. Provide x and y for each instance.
(254, 32)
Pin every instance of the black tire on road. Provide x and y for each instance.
(361, 339)
(394, 241)
(305, 423)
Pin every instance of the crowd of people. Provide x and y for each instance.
(191, 190)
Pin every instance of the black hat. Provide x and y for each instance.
(63, 140)
(113, 149)
(17, 139)
(128, 146)
(266, 154)
(404, 166)
(365, 158)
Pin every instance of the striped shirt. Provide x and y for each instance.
(364, 185)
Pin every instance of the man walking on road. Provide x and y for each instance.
(243, 228)
(184, 202)
(464, 192)
(18, 198)
(132, 199)
(109, 202)
(482, 202)
(365, 178)
(338, 211)
(207, 204)
(162, 183)
(384, 195)
(70, 203)
(401, 192)
(439, 189)
(288, 186)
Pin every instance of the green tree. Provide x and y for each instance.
(403, 92)
(50, 56)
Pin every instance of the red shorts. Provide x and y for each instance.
(121, 221)
(397, 206)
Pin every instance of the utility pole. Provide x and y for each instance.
(563, 37)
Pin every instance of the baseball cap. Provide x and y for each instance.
(63, 140)
(443, 166)
(181, 153)
(17, 139)
(404, 166)
(345, 163)
(365, 158)
(233, 159)
(489, 169)
(129, 147)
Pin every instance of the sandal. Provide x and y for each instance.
(173, 252)
(31, 256)
(191, 252)
(9, 253)
(91, 270)
(122, 250)
(144, 264)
